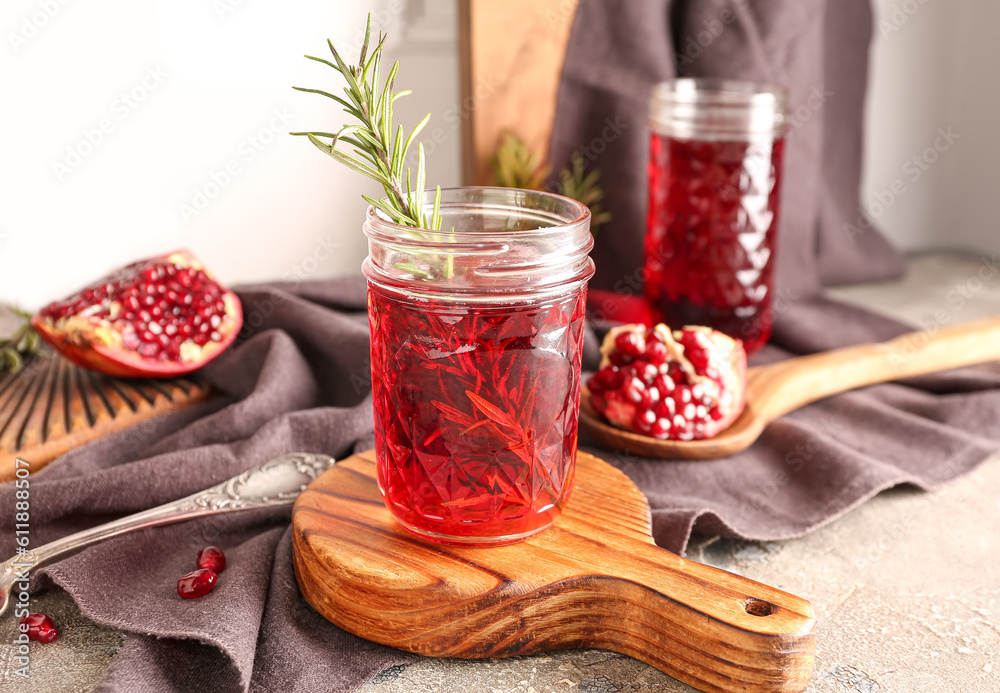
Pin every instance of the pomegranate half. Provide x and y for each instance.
(160, 317)
(683, 385)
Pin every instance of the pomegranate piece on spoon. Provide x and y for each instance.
(683, 385)
(160, 317)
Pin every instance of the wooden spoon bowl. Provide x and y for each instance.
(778, 388)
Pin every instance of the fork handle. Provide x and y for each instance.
(272, 484)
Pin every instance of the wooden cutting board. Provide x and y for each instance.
(595, 579)
(52, 406)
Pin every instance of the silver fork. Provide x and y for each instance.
(274, 483)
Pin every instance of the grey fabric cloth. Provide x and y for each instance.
(300, 382)
(816, 464)
(817, 48)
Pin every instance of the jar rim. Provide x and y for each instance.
(507, 243)
(580, 215)
(721, 91)
(715, 108)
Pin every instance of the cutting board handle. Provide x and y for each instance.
(712, 629)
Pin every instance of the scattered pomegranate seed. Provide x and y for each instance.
(212, 558)
(196, 584)
(39, 627)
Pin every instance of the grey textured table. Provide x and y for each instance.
(906, 587)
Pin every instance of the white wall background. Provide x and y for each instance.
(935, 65)
(185, 88)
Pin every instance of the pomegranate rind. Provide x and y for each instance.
(734, 381)
(92, 343)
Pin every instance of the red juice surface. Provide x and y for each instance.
(710, 234)
(476, 413)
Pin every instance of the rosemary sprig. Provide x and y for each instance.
(23, 343)
(576, 183)
(377, 153)
(516, 166)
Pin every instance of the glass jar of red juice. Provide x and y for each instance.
(714, 191)
(476, 348)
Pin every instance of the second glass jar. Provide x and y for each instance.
(715, 167)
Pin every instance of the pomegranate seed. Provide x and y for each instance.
(212, 558)
(656, 352)
(643, 421)
(666, 407)
(630, 344)
(645, 371)
(196, 584)
(38, 627)
(634, 390)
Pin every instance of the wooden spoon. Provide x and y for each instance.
(778, 388)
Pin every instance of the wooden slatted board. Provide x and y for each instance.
(52, 406)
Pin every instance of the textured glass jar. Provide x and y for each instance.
(714, 185)
(476, 346)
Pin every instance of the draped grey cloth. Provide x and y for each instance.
(300, 382)
(818, 49)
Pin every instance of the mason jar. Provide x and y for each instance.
(715, 164)
(476, 346)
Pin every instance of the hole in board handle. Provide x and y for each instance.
(758, 607)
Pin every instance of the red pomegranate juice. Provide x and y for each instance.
(476, 413)
(710, 234)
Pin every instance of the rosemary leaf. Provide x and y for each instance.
(377, 154)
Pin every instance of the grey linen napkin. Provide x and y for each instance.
(815, 464)
(299, 382)
(817, 48)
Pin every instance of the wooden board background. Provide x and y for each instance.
(511, 55)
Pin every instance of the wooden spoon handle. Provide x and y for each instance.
(711, 629)
(780, 388)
